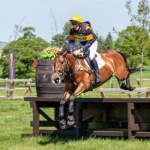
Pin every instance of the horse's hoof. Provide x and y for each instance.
(62, 124)
(123, 86)
(131, 88)
(62, 127)
(70, 123)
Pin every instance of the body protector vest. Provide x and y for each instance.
(82, 36)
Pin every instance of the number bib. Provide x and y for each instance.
(80, 37)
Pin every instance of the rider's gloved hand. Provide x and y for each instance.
(77, 52)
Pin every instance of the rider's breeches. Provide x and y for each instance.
(93, 50)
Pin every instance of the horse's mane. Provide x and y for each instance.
(64, 51)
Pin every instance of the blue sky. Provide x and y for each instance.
(103, 15)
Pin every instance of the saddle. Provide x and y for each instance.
(88, 61)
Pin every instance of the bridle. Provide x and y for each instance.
(68, 66)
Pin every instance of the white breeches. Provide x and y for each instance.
(93, 50)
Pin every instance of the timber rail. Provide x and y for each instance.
(138, 91)
(9, 87)
(133, 130)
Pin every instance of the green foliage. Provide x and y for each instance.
(105, 44)
(142, 20)
(100, 44)
(108, 42)
(129, 43)
(48, 53)
(26, 49)
(80, 95)
(57, 40)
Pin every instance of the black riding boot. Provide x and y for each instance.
(95, 66)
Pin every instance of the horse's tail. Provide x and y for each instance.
(131, 70)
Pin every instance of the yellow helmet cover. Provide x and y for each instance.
(76, 18)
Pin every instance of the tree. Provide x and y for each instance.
(108, 42)
(26, 49)
(57, 40)
(142, 19)
(128, 42)
(100, 44)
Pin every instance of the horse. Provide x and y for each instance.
(80, 78)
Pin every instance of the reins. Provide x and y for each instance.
(68, 66)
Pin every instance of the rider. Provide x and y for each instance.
(85, 35)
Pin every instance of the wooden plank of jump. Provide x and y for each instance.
(35, 119)
(15, 80)
(130, 108)
(136, 90)
(78, 120)
(142, 90)
(103, 100)
(15, 89)
(80, 102)
(31, 84)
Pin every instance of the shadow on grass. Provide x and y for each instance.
(56, 139)
(64, 139)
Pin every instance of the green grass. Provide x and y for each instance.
(14, 121)
(15, 117)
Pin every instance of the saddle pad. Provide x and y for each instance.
(99, 60)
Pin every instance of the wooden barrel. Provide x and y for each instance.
(45, 86)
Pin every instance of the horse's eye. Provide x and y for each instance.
(62, 62)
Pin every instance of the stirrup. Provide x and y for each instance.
(98, 79)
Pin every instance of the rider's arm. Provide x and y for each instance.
(89, 38)
(71, 40)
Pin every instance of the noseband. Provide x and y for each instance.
(68, 66)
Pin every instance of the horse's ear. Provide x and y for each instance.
(65, 52)
(56, 51)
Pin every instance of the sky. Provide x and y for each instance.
(102, 14)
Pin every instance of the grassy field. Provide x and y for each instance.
(15, 117)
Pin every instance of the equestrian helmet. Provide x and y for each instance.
(76, 18)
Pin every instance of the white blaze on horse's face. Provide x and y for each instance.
(59, 68)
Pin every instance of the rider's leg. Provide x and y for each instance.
(93, 50)
(95, 66)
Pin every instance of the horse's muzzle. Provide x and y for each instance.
(56, 80)
(56, 77)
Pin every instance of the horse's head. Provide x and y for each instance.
(60, 66)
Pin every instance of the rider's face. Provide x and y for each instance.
(75, 25)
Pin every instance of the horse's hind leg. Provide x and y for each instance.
(126, 86)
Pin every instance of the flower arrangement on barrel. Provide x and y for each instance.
(49, 52)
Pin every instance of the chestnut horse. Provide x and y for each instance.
(79, 78)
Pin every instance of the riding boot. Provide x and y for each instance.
(95, 66)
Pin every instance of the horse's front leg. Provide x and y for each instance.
(62, 121)
(71, 118)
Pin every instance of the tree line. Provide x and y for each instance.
(133, 42)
